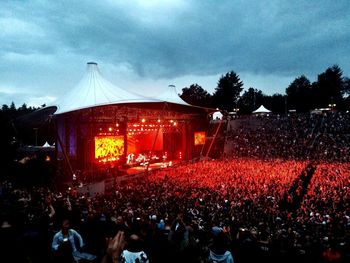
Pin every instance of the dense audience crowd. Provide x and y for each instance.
(323, 137)
(239, 209)
(186, 213)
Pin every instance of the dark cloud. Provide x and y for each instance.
(46, 43)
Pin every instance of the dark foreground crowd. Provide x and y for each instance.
(237, 210)
(285, 197)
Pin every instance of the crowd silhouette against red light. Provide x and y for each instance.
(282, 206)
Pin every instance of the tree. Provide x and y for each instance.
(250, 100)
(299, 94)
(227, 92)
(276, 103)
(23, 108)
(329, 87)
(5, 107)
(13, 106)
(196, 95)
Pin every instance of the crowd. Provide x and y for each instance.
(229, 210)
(324, 137)
(282, 196)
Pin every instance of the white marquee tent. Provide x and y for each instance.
(217, 115)
(261, 110)
(46, 145)
(94, 90)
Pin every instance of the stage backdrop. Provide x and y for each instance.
(144, 142)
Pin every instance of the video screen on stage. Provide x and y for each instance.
(109, 148)
(199, 138)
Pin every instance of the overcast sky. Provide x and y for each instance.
(149, 44)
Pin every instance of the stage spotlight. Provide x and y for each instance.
(110, 129)
(143, 120)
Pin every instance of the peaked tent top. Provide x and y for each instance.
(262, 109)
(217, 115)
(46, 145)
(170, 95)
(94, 90)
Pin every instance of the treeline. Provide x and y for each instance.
(331, 90)
(8, 115)
(18, 111)
(20, 128)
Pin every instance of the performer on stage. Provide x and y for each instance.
(130, 158)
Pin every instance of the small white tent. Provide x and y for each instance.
(261, 110)
(217, 115)
(46, 145)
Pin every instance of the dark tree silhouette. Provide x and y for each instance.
(13, 106)
(276, 103)
(5, 107)
(329, 87)
(227, 92)
(250, 100)
(196, 95)
(299, 95)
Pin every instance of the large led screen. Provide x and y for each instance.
(199, 138)
(109, 148)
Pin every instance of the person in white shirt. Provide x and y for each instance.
(133, 252)
(67, 241)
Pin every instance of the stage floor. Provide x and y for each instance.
(151, 167)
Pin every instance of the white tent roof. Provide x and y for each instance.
(217, 115)
(94, 90)
(261, 109)
(170, 95)
(46, 145)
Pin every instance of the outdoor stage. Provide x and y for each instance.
(151, 167)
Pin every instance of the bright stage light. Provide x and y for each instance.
(143, 120)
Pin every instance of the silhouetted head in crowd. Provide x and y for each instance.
(134, 243)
